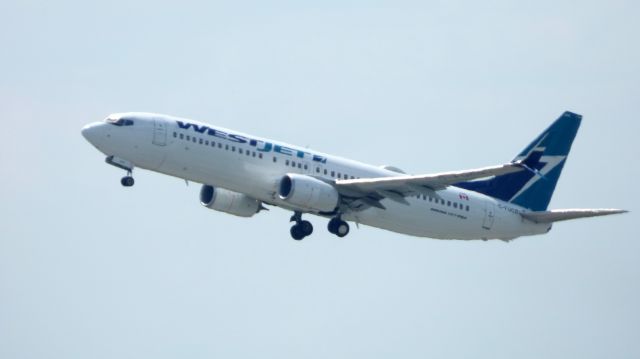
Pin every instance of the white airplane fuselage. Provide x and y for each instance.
(254, 166)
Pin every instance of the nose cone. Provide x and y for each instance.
(92, 132)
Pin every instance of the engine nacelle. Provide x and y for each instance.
(230, 202)
(308, 193)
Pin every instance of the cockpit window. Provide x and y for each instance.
(119, 121)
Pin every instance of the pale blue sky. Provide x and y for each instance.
(91, 270)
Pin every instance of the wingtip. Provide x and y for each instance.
(614, 211)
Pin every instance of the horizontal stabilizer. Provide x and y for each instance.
(567, 214)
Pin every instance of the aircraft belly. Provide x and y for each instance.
(418, 219)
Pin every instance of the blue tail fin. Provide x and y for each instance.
(544, 158)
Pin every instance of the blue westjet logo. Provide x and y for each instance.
(261, 146)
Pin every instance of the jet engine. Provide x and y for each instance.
(308, 193)
(230, 202)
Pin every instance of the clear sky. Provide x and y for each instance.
(89, 269)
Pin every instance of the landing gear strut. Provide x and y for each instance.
(338, 227)
(127, 181)
(302, 228)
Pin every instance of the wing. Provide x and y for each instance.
(369, 191)
(567, 214)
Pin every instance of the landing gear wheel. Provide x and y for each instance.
(343, 229)
(127, 181)
(306, 227)
(333, 225)
(302, 228)
(338, 227)
(297, 233)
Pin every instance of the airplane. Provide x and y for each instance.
(241, 173)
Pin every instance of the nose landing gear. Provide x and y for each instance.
(126, 181)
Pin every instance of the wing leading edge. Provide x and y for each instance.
(397, 187)
(567, 214)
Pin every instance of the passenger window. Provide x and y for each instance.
(260, 155)
(194, 139)
(226, 147)
(467, 208)
(213, 144)
(240, 150)
(275, 159)
(254, 154)
(299, 165)
(325, 171)
(175, 135)
(219, 145)
(206, 142)
(201, 141)
(287, 162)
(188, 138)
(306, 167)
(448, 203)
(181, 136)
(333, 173)
(455, 204)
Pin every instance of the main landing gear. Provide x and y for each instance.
(303, 228)
(338, 227)
(127, 181)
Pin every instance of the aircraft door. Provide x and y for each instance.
(159, 132)
(489, 216)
